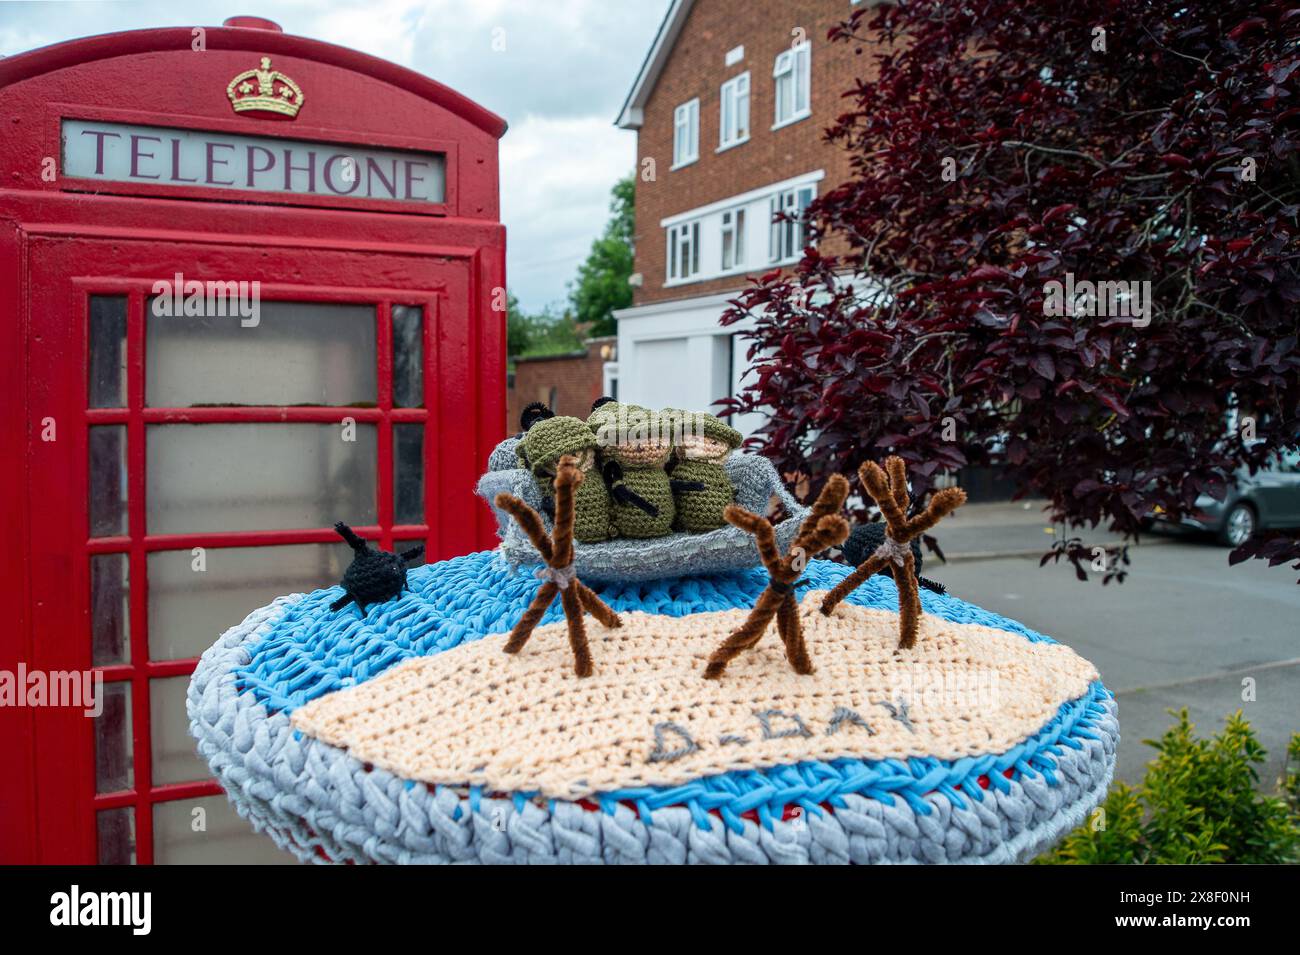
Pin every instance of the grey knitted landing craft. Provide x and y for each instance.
(728, 548)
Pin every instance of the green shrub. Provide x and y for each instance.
(1197, 804)
(1290, 781)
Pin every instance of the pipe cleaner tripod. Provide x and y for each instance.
(559, 575)
(889, 491)
(823, 527)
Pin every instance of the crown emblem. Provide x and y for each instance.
(264, 90)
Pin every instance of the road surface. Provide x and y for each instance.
(1183, 629)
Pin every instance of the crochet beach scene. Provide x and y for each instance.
(482, 717)
(664, 661)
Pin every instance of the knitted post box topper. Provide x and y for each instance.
(547, 438)
(889, 491)
(374, 576)
(823, 527)
(701, 488)
(634, 445)
(558, 574)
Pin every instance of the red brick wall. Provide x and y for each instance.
(696, 67)
(576, 379)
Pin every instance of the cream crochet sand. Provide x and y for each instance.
(476, 715)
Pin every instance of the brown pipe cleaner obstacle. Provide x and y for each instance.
(823, 527)
(889, 491)
(558, 575)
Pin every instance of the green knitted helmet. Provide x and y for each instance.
(719, 430)
(688, 423)
(674, 418)
(551, 438)
(612, 422)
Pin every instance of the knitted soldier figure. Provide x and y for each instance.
(633, 449)
(548, 438)
(701, 488)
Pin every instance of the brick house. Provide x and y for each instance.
(567, 383)
(729, 109)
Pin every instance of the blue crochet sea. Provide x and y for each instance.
(312, 651)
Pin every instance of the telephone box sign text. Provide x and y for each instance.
(161, 156)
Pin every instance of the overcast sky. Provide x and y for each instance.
(564, 71)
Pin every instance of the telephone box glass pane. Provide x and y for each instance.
(115, 829)
(175, 759)
(107, 362)
(268, 476)
(408, 356)
(408, 474)
(107, 503)
(194, 599)
(113, 763)
(267, 353)
(110, 609)
(223, 838)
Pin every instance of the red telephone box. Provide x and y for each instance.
(246, 289)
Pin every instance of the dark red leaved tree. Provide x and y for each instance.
(1005, 146)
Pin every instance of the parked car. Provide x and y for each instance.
(1267, 499)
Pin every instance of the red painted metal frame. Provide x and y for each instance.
(17, 725)
(58, 245)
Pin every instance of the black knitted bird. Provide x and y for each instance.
(374, 575)
(863, 541)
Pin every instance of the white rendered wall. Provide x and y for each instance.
(675, 354)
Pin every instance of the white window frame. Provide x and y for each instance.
(793, 66)
(683, 242)
(735, 93)
(783, 233)
(686, 133)
(733, 227)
